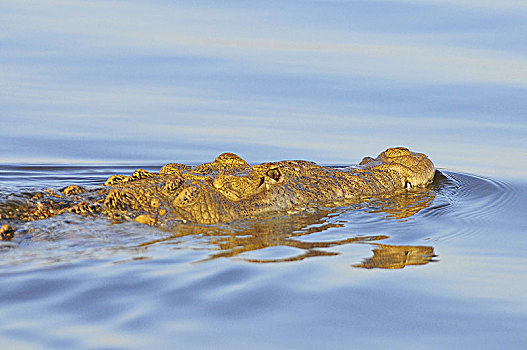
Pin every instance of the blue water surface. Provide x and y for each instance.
(93, 88)
(328, 81)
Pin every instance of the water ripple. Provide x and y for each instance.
(464, 202)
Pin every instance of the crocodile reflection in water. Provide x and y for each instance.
(396, 257)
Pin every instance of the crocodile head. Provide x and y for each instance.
(229, 188)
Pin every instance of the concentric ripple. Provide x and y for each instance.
(464, 202)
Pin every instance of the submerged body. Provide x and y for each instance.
(228, 189)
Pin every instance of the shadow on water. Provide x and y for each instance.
(308, 232)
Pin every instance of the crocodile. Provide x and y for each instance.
(224, 190)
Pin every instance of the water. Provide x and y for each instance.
(451, 273)
(90, 89)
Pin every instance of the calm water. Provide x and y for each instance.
(438, 268)
(89, 89)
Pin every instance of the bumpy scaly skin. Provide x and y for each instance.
(228, 189)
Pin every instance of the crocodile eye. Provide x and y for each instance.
(274, 174)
